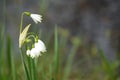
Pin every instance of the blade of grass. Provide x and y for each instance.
(10, 58)
(56, 55)
(107, 66)
(76, 43)
(69, 63)
(50, 71)
(2, 58)
(42, 72)
(2, 42)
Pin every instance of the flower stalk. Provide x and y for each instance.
(37, 48)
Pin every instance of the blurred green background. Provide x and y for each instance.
(88, 38)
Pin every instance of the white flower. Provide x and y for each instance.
(36, 17)
(40, 46)
(36, 51)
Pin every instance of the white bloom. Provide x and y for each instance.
(36, 17)
(28, 52)
(36, 51)
(40, 46)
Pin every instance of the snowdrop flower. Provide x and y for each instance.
(40, 46)
(36, 17)
(23, 35)
(36, 51)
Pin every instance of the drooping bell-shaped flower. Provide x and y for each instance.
(36, 18)
(35, 52)
(40, 46)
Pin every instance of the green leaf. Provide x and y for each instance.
(10, 58)
(24, 66)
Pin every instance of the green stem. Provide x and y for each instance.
(31, 36)
(24, 66)
(33, 69)
(56, 57)
(21, 22)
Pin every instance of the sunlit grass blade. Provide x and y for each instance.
(107, 66)
(24, 66)
(56, 55)
(2, 58)
(2, 41)
(76, 43)
(69, 64)
(10, 57)
(2, 54)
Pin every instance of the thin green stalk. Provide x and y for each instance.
(2, 59)
(24, 66)
(76, 43)
(2, 42)
(29, 66)
(56, 55)
(10, 58)
(42, 71)
(21, 22)
(50, 71)
(33, 69)
(69, 63)
(20, 49)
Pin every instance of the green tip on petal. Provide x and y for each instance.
(36, 39)
(33, 46)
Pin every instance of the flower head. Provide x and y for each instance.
(36, 17)
(36, 51)
(40, 46)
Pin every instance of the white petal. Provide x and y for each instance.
(40, 46)
(34, 53)
(28, 52)
(36, 18)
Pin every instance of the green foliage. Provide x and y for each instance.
(66, 58)
(50, 66)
